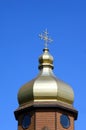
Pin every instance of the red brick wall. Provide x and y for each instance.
(46, 118)
(51, 119)
(43, 119)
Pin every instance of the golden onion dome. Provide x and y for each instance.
(45, 87)
(46, 59)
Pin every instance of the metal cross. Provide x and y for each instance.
(46, 38)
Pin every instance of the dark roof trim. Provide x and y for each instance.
(47, 106)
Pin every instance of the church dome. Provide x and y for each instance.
(45, 87)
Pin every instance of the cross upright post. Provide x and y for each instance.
(44, 36)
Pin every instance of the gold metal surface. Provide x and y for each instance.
(46, 87)
(46, 59)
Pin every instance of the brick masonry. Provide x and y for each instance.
(43, 119)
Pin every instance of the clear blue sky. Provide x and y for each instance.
(20, 23)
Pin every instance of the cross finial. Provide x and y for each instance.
(46, 38)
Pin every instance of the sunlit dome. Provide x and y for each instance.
(46, 87)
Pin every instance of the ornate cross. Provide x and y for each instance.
(46, 38)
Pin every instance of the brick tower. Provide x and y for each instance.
(46, 103)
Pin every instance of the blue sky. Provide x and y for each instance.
(20, 23)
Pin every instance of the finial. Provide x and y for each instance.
(46, 38)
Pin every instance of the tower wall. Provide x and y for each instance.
(46, 119)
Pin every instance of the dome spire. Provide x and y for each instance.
(46, 59)
(44, 36)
